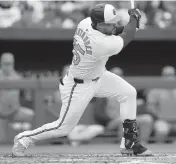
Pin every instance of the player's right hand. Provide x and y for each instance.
(136, 13)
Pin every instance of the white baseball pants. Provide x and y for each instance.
(75, 98)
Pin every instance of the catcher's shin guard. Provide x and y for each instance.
(132, 145)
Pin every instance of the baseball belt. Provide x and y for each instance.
(80, 81)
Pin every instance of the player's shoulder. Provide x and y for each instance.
(113, 38)
(85, 22)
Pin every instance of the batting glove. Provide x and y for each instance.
(136, 13)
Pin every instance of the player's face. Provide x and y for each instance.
(106, 28)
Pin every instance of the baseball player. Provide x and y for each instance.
(97, 38)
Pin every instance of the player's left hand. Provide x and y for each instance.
(136, 13)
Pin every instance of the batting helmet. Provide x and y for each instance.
(105, 13)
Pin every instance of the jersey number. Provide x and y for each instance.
(76, 57)
(77, 50)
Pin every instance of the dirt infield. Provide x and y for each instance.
(109, 153)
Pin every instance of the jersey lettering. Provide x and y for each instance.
(85, 39)
(91, 51)
(77, 49)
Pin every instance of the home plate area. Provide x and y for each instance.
(49, 154)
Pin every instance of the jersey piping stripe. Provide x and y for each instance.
(54, 128)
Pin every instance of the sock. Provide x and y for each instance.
(122, 145)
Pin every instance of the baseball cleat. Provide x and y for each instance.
(127, 152)
(130, 144)
(18, 149)
(137, 150)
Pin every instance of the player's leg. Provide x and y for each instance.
(75, 97)
(115, 87)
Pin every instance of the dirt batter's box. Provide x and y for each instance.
(44, 89)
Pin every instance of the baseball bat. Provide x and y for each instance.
(132, 4)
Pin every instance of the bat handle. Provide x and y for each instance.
(132, 4)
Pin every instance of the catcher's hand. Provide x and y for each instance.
(136, 13)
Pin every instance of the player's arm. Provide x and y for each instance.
(129, 30)
(115, 44)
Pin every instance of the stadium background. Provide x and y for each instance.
(41, 40)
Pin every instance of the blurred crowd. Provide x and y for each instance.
(156, 112)
(40, 74)
(67, 14)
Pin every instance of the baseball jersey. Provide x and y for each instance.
(9, 98)
(91, 50)
(164, 102)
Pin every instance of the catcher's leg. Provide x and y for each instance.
(113, 86)
(75, 98)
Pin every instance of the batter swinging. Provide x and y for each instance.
(97, 38)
